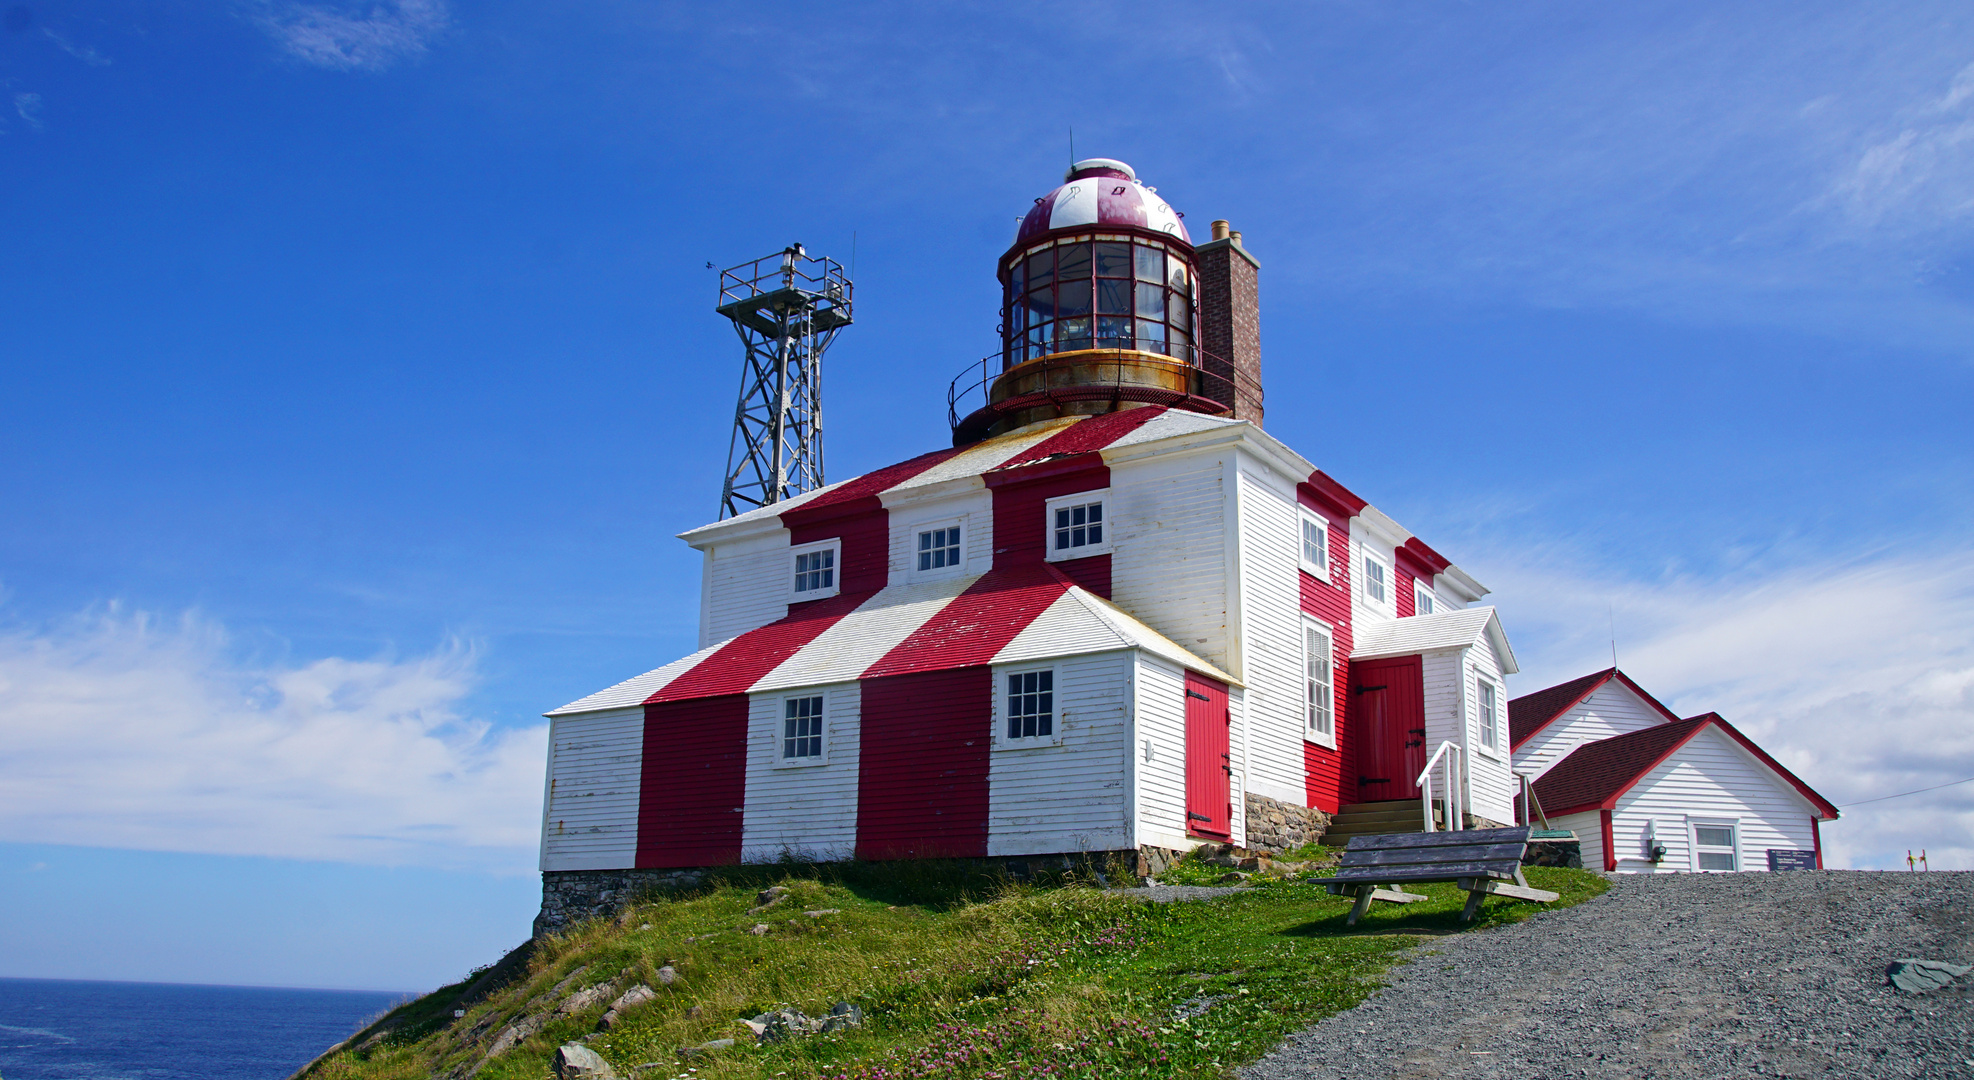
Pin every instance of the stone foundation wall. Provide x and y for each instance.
(1554, 853)
(570, 896)
(1475, 821)
(1274, 825)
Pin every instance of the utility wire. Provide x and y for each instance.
(1903, 794)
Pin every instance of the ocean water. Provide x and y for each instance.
(54, 1029)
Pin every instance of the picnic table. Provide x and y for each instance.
(1482, 862)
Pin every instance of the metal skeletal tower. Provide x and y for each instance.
(787, 308)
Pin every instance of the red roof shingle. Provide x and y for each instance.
(1596, 773)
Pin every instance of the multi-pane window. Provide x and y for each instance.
(1078, 526)
(1031, 705)
(1374, 580)
(802, 728)
(939, 547)
(1315, 546)
(1422, 601)
(1109, 293)
(1486, 709)
(815, 571)
(1319, 684)
(1713, 847)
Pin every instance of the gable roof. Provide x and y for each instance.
(1596, 774)
(1031, 612)
(1457, 629)
(1530, 713)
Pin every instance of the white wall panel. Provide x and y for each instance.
(1271, 635)
(1070, 796)
(1611, 709)
(807, 811)
(748, 585)
(972, 508)
(1168, 563)
(595, 763)
(1589, 830)
(1159, 754)
(1491, 778)
(1710, 777)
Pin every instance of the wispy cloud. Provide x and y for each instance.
(1919, 175)
(1858, 676)
(28, 107)
(348, 37)
(125, 730)
(81, 52)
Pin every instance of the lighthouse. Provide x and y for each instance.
(1106, 306)
(1114, 619)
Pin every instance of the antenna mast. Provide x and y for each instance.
(787, 308)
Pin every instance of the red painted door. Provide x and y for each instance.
(1388, 710)
(1209, 764)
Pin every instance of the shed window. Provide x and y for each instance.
(1374, 581)
(1079, 526)
(1031, 705)
(1319, 684)
(1316, 545)
(802, 728)
(1714, 847)
(1487, 709)
(815, 571)
(938, 548)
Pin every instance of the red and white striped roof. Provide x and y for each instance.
(1098, 192)
(1000, 617)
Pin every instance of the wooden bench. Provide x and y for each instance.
(1480, 861)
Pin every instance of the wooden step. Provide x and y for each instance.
(1375, 807)
(1376, 818)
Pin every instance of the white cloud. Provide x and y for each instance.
(1858, 676)
(352, 36)
(1919, 175)
(123, 730)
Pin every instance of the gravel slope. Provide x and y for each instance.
(1678, 975)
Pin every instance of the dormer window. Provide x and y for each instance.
(1315, 555)
(1075, 526)
(939, 548)
(1422, 600)
(815, 570)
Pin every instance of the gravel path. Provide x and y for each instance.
(1676, 975)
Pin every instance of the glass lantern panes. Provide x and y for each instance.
(1103, 294)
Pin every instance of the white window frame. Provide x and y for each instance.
(1387, 579)
(1309, 731)
(1487, 721)
(919, 529)
(833, 545)
(1322, 524)
(779, 730)
(1693, 852)
(1049, 508)
(1421, 591)
(1002, 740)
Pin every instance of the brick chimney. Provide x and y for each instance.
(1230, 322)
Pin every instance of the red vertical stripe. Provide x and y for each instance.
(1323, 775)
(1610, 845)
(922, 773)
(1816, 834)
(1021, 496)
(693, 782)
(1093, 573)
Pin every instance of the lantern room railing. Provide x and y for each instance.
(1208, 384)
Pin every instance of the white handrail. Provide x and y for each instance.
(1452, 770)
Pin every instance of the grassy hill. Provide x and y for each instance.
(958, 974)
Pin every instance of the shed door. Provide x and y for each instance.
(1209, 764)
(1388, 717)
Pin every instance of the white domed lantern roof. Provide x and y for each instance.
(1100, 192)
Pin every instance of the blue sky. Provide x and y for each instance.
(360, 364)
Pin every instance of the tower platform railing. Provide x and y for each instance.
(1177, 376)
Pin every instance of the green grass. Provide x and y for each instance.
(959, 975)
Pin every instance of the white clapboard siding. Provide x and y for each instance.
(970, 508)
(1443, 672)
(1070, 796)
(1237, 786)
(802, 811)
(1492, 786)
(1271, 634)
(1168, 563)
(1159, 754)
(748, 585)
(1362, 610)
(595, 762)
(1611, 709)
(1710, 779)
(1589, 830)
